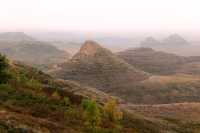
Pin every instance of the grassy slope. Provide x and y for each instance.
(29, 104)
(164, 89)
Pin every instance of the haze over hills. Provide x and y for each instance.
(173, 40)
(150, 42)
(98, 67)
(10, 39)
(21, 47)
(15, 37)
(69, 46)
(71, 41)
(174, 43)
(137, 77)
(66, 40)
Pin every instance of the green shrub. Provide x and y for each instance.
(112, 111)
(34, 84)
(4, 75)
(66, 101)
(56, 95)
(74, 115)
(92, 113)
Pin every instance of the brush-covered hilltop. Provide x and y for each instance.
(21, 47)
(98, 67)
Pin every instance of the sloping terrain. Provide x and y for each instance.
(164, 90)
(182, 111)
(10, 39)
(35, 53)
(152, 61)
(192, 68)
(34, 102)
(96, 66)
(21, 47)
(158, 62)
(177, 117)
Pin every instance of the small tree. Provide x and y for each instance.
(4, 76)
(56, 95)
(92, 113)
(66, 101)
(112, 112)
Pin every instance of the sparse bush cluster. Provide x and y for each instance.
(22, 91)
(4, 74)
(102, 119)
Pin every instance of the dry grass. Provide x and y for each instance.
(177, 78)
(182, 111)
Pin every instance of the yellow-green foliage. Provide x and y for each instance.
(66, 101)
(34, 84)
(92, 113)
(56, 95)
(112, 112)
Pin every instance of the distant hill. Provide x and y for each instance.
(175, 40)
(152, 61)
(158, 62)
(33, 101)
(10, 39)
(150, 42)
(15, 36)
(171, 41)
(69, 46)
(98, 67)
(21, 47)
(36, 53)
(172, 44)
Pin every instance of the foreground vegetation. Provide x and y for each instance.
(26, 93)
(33, 102)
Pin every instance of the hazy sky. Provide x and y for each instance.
(100, 15)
